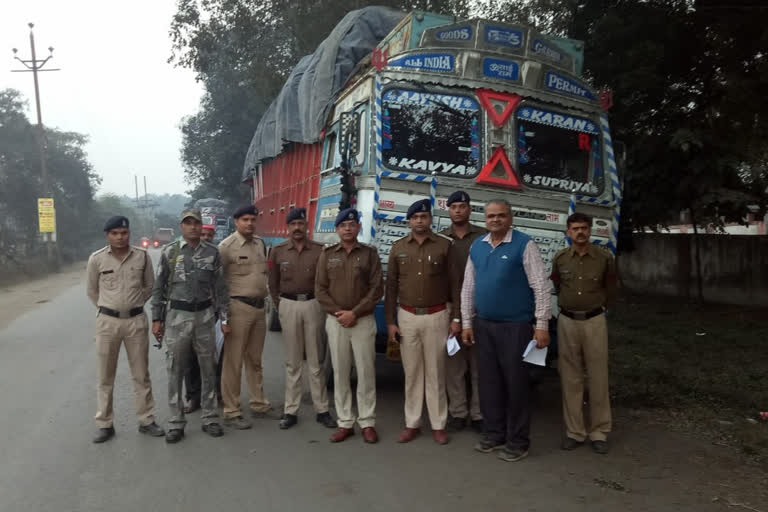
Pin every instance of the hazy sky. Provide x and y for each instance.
(115, 84)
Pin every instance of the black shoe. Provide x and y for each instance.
(456, 424)
(326, 420)
(477, 426)
(512, 455)
(288, 420)
(104, 434)
(600, 447)
(174, 436)
(213, 430)
(153, 429)
(570, 444)
(488, 445)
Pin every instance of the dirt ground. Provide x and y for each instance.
(26, 294)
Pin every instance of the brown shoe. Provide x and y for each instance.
(370, 435)
(408, 435)
(440, 436)
(341, 434)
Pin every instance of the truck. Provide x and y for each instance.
(432, 106)
(215, 212)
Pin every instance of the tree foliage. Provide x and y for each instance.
(72, 178)
(688, 76)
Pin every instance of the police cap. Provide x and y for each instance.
(296, 214)
(458, 197)
(245, 210)
(423, 205)
(118, 221)
(344, 215)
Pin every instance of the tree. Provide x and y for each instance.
(242, 52)
(73, 182)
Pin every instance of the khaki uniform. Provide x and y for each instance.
(585, 284)
(292, 287)
(351, 281)
(457, 366)
(245, 267)
(122, 286)
(420, 277)
(190, 283)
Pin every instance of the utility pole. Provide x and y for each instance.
(146, 206)
(34, 66)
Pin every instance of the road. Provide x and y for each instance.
(47, 392)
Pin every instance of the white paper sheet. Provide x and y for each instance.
(452, 345)
(219, 340)
(533, 355)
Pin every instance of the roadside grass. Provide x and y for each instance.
(703, 367)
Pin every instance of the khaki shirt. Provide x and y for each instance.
(349, 281)
(245, 265)
(461, 248)
(422, 275)
(584, 283)
(291, 270)
(120, 284)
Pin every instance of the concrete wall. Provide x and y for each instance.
(734, 268)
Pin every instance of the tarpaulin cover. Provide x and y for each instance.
(301, 109)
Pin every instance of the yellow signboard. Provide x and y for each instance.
(46, 214)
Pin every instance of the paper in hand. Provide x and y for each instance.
(534, 355)
(452, 345)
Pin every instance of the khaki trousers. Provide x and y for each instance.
(110, 334)
(303, 335)
(456, 368)
(244, 347)
(423, 351)
(583, 346)
(346, 343)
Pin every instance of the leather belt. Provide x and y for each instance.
(298, 296)
(254, 302)
(424, 311)
(582, 315)
(121, 314)
(190, 306)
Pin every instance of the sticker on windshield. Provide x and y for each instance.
(567, 122)
(424, 132)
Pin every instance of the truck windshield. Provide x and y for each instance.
(559, 151)
(424, 133)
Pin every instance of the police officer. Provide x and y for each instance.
(244, 256)
(192, 381)
(463, 233)
(585, 280)
(348, 285)
(421, 281)
(120, 281)
(292, 266)
(190, 291)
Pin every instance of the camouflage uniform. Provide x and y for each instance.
(188, 276)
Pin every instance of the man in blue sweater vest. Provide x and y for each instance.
(505, 302)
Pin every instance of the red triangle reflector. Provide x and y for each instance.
(490, 99)
(498, 171)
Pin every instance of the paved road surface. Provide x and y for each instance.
(47, 392)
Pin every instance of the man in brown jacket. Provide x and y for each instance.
(292, 265)
(348, 286)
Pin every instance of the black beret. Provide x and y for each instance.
(296, 214)
(458, 197)
(118, 221)
(423, 205)
(344, 215)
(245, 210)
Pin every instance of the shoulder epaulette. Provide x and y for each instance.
(560, 253)
(441, 235)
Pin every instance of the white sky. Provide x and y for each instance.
(114, 85)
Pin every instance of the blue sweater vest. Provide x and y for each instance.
(502, 291)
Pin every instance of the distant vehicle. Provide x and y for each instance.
(162, 236)
(216, 213)
(144, 242)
